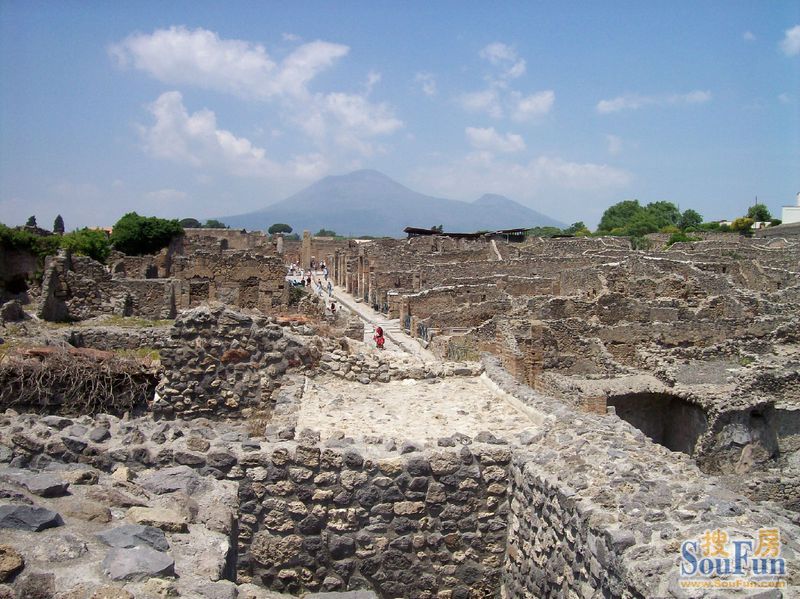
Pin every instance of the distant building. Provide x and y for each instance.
(791, 214)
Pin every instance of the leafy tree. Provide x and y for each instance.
(663, 213)
(690, 218)
(137, 235)
(759, 213)
(642, 223)
(577, 228)
(88, 242)
(325, 233)
(774, 222)
(31, 221)
(743, 224)
(212, 223)
(279, 228)
(58, 225)
(618, 215)
(438, 228)
(191, 223)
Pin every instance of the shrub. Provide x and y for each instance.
(137, 235)
(680, 237)
(88, 242)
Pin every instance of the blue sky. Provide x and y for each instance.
(204, 109)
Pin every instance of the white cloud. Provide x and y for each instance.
(373, 78)
(636, 101)
(504, 56)
(749, 36)
(200, 57)
(490, 140)
(194, 139)
(483, 101)
(614, 144)
(290, 37)
(545, 176)
(791, 41)
(532, 106)
(427, 82)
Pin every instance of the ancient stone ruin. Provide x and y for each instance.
(551, 418)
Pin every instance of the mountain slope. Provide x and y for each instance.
(367, 202)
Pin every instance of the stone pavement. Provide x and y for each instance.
(396, 338)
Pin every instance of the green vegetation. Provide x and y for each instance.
(759, 213)
(681, 237)
(88, 242)
(690, 218)
(31, 222)
(743, 225)
(634, 220)
(543, 232)
(325, 233)
(212, 223)
(279, 228)
(58, 225)
(137, 235)
(140, 353)
(26, 241)
(193, 223)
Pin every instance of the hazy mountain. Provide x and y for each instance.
(367, 202)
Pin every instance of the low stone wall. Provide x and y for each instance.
(366, 367)
(596, 507)
(407, 526)
(224, 363)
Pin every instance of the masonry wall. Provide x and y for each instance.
(405, 526)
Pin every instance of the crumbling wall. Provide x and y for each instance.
(224, 363)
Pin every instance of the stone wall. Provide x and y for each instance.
(224, 363)
(406, 526)
(597, 508)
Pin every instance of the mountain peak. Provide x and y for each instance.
(493, 199)
(368, 202)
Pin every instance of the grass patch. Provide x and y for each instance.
(140, 353)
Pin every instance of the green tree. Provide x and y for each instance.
(58, 225)
(759, 213)
(690, 218)
(325, 233)
(279, 228)
(663, 213)
(191, 223)
(618, 215)
(137, 235)
(574, 228)
(31, 222)
(213, 223)
(438, 228)
(88, 242)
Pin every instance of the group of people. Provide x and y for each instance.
(308, 280)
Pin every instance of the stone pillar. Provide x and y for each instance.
(279, 244)
(305, 252)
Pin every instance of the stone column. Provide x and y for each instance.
(305, 252)
(279, 244)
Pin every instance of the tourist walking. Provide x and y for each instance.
(378, 337)
(330, 289)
